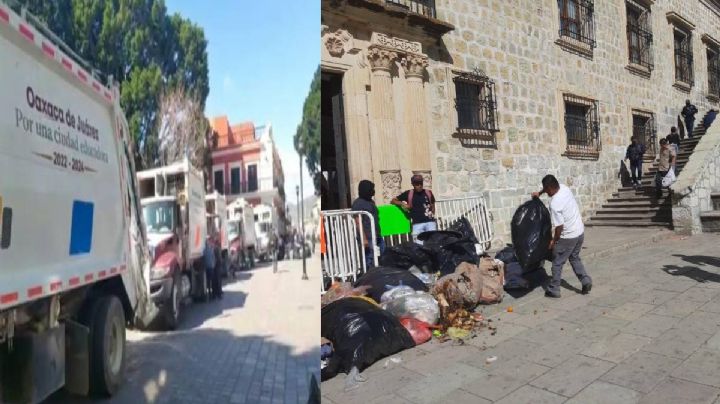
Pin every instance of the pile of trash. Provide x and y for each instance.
(425, 291)
(418, 292)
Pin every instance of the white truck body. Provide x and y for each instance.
(218, 208)
(242, 211)
(264, 226)
(70, 222)
(193, 194)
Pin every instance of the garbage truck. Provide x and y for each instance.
(73, 252)
(264, 227)
(217, 216)
(173, 206)
(241, 233)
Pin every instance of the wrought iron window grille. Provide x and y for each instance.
(577, 21)
(713, 60)
(582, 127)
(683, 57)
(639, 34)
(476, 106)
(422, 7)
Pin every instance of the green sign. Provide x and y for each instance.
(393, 220)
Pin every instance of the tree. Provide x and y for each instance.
(146, 50)
(182, 130)
(307, 137)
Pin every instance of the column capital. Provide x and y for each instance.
(414, 65)
(381, 58)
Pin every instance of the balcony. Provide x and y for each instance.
(415, 13)
(422, 7)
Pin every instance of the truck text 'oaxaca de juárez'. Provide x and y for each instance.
(73, 251)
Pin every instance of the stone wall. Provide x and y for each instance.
(695, 184)
(515, 45)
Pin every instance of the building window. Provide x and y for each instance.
(235, 180)
(581, 127)
(713, 63)
(683, 56)
(476, 108)
(639, 33)
(252, 179)
(645, 131)
(219, 181)
(576, 21)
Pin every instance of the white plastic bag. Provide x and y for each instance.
(396, 292)
(669, 178)
(420, 305)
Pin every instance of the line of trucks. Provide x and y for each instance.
(89, 246)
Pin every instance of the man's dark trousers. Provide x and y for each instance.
(689, 124)
(658, 182)
(568, 249)
(636, 167)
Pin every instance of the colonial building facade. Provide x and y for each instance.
(246, 164)
(485, 97)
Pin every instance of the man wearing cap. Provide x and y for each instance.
(420, 203)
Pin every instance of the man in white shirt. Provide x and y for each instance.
(568, 236)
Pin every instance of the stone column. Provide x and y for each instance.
(384, 144)
(416, 112)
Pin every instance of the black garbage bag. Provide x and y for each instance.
(531, 233)
(407, 255)
(362, 333)
(463, 227)
(506, 255)
(514, 278)
(449, 249)
(455, 253)
(381, 279)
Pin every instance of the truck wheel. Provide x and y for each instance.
(107, 346)
(172, 315)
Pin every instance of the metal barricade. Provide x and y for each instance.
(344, 256)
(474, 209)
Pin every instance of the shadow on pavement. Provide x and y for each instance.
(695, 272)
(210, 366)
(700, 259)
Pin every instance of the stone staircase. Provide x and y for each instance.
(711, 219)
(629, 207)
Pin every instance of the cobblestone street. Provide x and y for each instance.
(259, 344)
(649, 332)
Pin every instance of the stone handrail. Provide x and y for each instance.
(699, 177)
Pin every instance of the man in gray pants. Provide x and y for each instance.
(568, 236)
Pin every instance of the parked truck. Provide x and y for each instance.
(217, 214)
(241, 233)
(173, 205)
(73, 253)
(265, 226)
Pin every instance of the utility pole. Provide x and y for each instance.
(301, 217)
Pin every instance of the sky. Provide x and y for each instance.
(262, 56)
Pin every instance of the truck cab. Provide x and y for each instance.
(173, 203)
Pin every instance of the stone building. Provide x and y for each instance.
(491, 95)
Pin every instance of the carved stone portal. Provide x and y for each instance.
(427, 177)
(338, 42)
(414, 65)
(381, 58)
(391, 182)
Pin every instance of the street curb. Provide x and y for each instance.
(660, 236)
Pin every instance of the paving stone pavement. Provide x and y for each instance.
(649, 332)
(259, 344)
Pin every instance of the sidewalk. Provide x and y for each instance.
(648, 332)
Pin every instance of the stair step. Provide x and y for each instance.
(635, 209)
(653, 217)
(639, 204)
(710, 221)
(622, 223)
